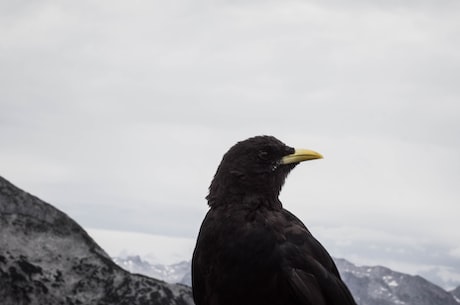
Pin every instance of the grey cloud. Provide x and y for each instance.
(108, 106)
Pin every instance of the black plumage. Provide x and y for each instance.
(252, 251)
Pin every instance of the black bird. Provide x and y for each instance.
(251, 251)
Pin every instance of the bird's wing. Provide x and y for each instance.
(317, 286)
(305, 287)
(310, 270)
(299, 236)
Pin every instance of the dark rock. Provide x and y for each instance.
(47, 258)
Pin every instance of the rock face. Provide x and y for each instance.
(47, 258)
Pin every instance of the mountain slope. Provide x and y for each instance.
(369, 285)
(382, 286)
(47, 258)
(456, 294)
(169, 273)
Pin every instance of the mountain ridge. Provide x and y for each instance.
(370, 285)
(456, 293)
(47, 258)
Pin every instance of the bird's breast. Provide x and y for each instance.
(243, 238)
(240, 256)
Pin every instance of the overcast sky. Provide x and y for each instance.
(118, 113)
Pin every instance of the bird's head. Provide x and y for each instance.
(256, 167)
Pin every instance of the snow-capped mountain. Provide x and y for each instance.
(369, 285)
(383, 286)
(47, 258)
(456, 294)
(175, 273)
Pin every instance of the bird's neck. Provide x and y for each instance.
(235, 189)
(257, 201)
(245, 200)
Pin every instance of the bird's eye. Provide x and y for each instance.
(263, 155)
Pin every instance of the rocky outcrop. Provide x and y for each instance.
(47, 258)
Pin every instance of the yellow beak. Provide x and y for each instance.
(301, 155)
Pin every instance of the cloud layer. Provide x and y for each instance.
(119, 113)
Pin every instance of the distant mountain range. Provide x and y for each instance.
(175, 273)
(456, 294)
(382, 286)
(47, 258)
(369, 285)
